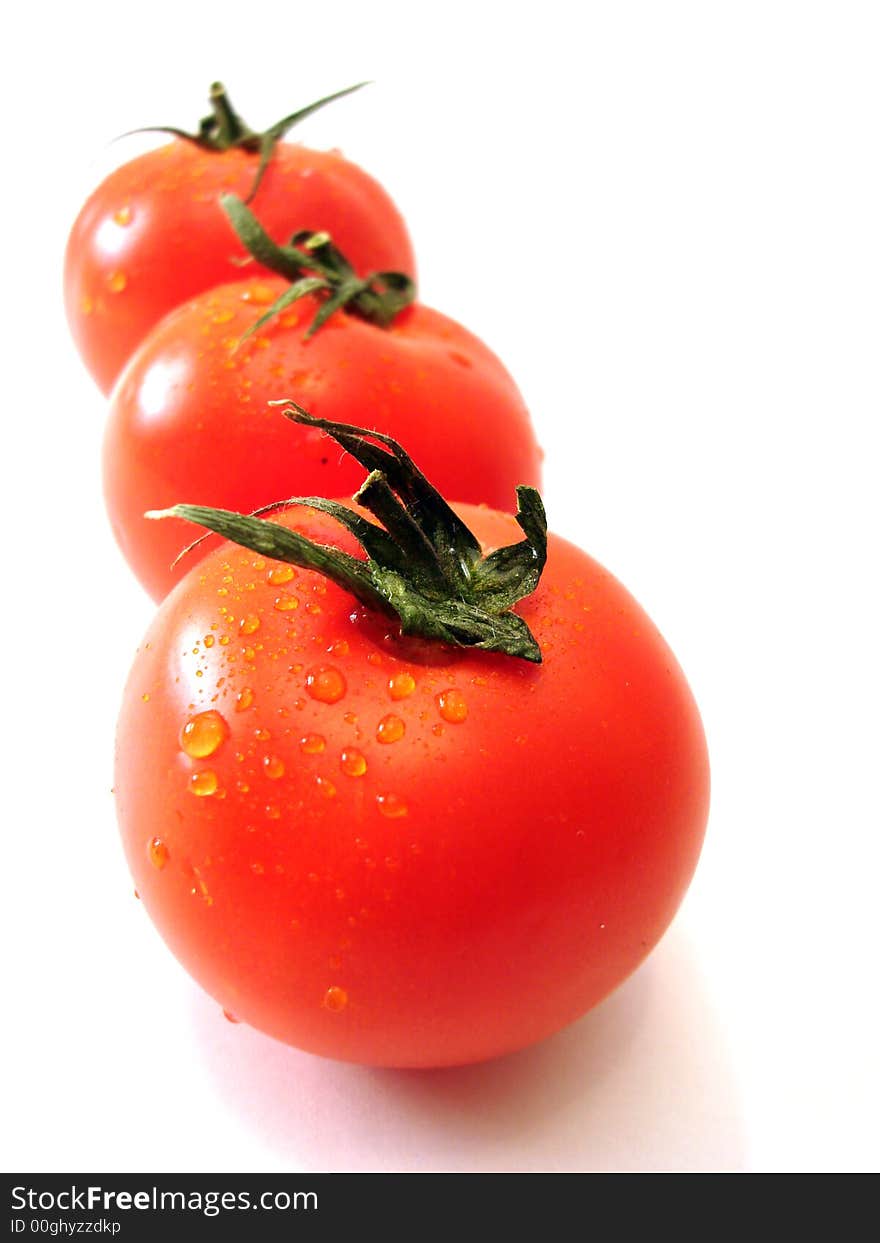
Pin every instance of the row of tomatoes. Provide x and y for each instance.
(379, 842)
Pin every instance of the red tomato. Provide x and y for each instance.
(395, 852)
(190, 420)
(152, 235)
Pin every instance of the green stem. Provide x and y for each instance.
(377, 298)
(223, 129)
(423, 565)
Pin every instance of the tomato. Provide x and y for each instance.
(190, 419)
(152, 236)
(393, 851)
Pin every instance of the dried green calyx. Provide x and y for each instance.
(423, 565)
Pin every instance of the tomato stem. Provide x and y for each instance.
(423, 565)
(377, 298)
(223, 129)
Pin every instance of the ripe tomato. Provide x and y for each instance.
(152, 235)
(190, 420)
(393, 851)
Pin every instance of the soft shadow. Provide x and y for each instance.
(641, 1083)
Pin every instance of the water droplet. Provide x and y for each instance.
(391, 805)
(285, 602)
(244, 699)
(123, 216)
(401, 685)
(116, 282)
(87, 305)
(260, 295)
(390, 729)
(451, 706)
(203, 734)
(261, 734)
(352, 762)
(273, 767)
(208, 640)
(249, 624)
(146, 697)
(335, 999)
(272, 812)
(203, 783)
(326, 684)
(222, 317)
(339, 648)
(312, 744)
(280, 574)
(326, 786)
(157, 852)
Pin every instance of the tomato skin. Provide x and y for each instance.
(190, 420)
(153, 235)
(547, 840)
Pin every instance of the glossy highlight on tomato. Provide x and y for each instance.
(395, 852)
(152, 235)
(190, 418)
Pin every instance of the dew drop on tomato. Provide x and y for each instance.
(401, 685)
(335, 999)
(312, 744)
(273, 767)
(244, 699)
(353, 762)
(392, 806)
(203, 734)
(203, 784)
(326, 684)
(452, 706)
(157, 853)
(390, 729)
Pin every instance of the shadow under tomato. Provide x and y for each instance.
(641, 1083)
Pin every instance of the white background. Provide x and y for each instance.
(666, 219)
